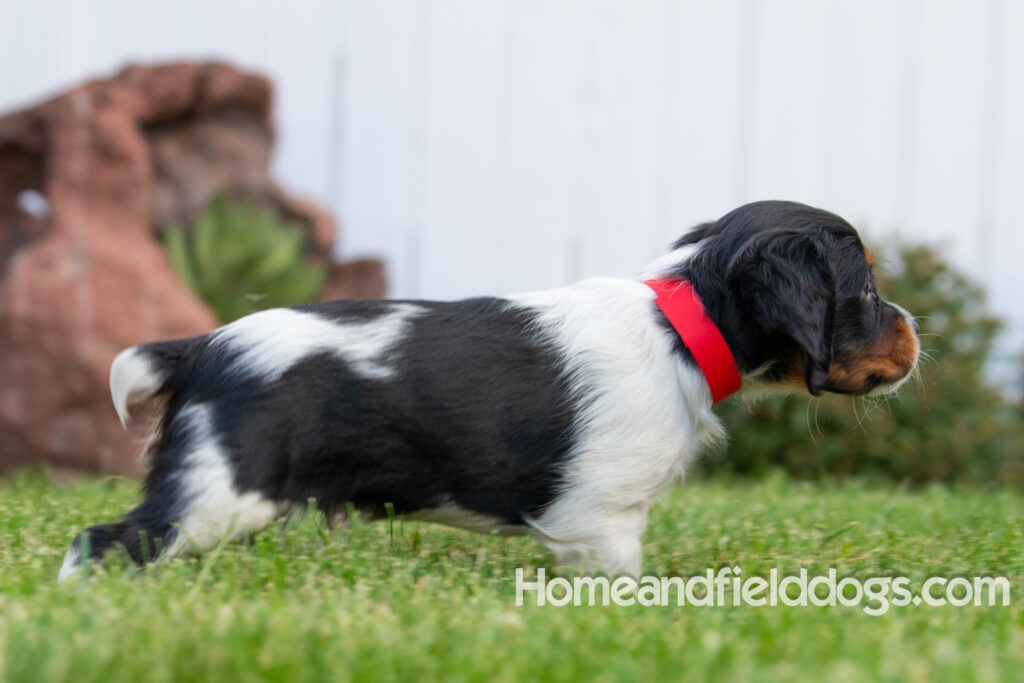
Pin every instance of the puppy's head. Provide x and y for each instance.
(792, 291)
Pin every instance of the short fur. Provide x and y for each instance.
(561, 413)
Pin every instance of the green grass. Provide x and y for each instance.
(416, 602)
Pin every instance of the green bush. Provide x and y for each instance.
(240, 258)
(948, 425)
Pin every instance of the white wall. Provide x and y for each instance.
(488, 146)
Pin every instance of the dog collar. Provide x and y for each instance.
(684, 310)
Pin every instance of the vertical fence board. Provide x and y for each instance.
(618, 144)
(702, 119)
(1006, 277)
(539, 67)
(944, 190)
(386, 79)
(458, 194)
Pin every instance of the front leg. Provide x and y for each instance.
(621, 556)
(580, 534)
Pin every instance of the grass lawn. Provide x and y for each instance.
(408, 601)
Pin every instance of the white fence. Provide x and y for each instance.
(492, 146)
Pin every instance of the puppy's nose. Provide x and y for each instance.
(916, 325)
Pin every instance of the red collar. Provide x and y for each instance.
(684, 310)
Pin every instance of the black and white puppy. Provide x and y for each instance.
(560, 413)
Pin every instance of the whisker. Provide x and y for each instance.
(860, 420)
(875, 404)
(918, 379)
(809, 430)
(817, 405)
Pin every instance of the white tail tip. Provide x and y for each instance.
(71, 566)
(132, 379)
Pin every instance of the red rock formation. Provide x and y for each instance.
(85, 179)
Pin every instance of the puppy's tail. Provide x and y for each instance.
(141, 372)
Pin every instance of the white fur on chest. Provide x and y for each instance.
(645, 412)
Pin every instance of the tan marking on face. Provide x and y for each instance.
(870, 257)
(795, 371)
(890, 359)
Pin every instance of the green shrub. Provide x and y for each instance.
(951, 425)
(240, 258)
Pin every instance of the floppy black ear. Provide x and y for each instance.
(788, 284)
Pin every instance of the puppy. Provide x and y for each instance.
(560, 413)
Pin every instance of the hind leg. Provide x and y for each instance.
(216, 512)
(210, 507)
(93, 543)
(142, 533)
(203, 513)
(192, 503)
